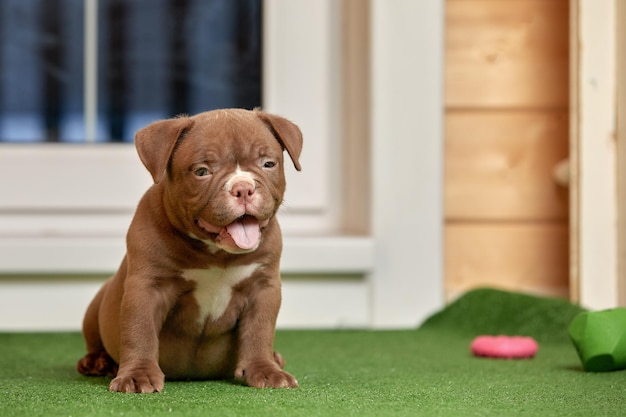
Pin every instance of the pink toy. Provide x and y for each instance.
(507, 347)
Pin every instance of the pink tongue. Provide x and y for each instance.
(245, 232)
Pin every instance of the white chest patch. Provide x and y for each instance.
(214, 287)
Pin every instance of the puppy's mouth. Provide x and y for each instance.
(245, 231)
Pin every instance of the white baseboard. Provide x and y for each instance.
(59, 305)
(322, 289)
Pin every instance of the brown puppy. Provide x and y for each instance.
(198, 292)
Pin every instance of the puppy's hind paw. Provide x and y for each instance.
(278, 358)
(97, 364)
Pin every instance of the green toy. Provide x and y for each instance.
(600, 339)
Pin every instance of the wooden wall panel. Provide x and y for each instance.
(499, 165)
(507, 53)
(514, 256)
(506, 124)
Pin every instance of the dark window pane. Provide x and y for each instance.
(41, 79)
(156, 59)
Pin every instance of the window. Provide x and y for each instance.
(63, 194)
(149, 59)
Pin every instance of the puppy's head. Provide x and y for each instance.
(222, 172)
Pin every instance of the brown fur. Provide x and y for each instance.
(145, 319)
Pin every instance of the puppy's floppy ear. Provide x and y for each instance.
(287, 133)
(155, 143)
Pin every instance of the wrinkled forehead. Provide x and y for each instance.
(229, 135)
(223, 124)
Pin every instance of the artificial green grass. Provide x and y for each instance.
(424, 372)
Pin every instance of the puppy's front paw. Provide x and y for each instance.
(143, 378)
(265, 374)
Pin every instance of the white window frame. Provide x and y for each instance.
(389, 279)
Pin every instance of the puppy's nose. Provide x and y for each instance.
(242, 190)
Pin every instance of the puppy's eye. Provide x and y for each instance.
(201, 171)
(269, 164)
